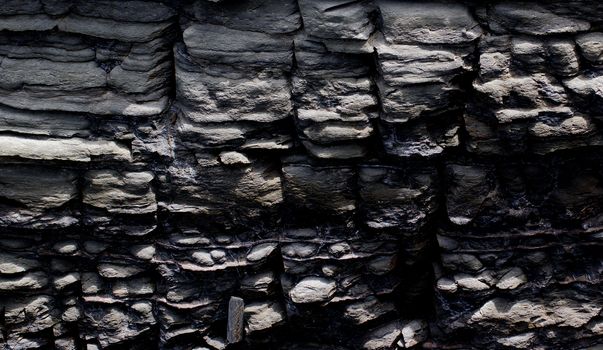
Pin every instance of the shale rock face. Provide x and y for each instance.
(301, 174)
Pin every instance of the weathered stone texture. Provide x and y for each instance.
(301, 174)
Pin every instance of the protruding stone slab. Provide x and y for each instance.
(260, 316)
(73, 149)
(37, 187)
(312, 290)
(427, 22)
(235, 328)
(125, 192)
(223, 45)
(337, 19)
(533, 19)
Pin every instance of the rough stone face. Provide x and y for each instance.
(520, 18)
(558, 311)
(383, 337)
(80, 75)
(223, 45)
(73, 149)
(312, 290)
(36, 195)
(468, 191)
(591, 46)
(346, 174)
(332, 195)
(419, 82)
(393, 198)
(267, 16)
(337, 19)
(30, 281)
(225, 107)
(127, 193)
(413, 333)
(261, 316)
(211, 188)
(12, 264)
(427, 22)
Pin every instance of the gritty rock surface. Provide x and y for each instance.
(377, 174)
(312, 290)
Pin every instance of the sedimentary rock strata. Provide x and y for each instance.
(301, 174)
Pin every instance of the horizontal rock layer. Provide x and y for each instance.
(301, 174)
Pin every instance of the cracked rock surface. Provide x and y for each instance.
(301, 174)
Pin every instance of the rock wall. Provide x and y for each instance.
(301, 174)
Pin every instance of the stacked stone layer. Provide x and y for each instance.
(362, 174)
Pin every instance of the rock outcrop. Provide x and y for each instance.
(301, 174)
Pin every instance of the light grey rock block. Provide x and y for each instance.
(427, 22)
(110, 270)
(538, 313)
(591, 46)
(73, 149)
(261, 316)
(124, 193)
(337, 19)
(28, 282)
(368, 310)
(533, 19)
(312, 290)
(383, 337)
(13, 264)
(413, 333)
(96, 101)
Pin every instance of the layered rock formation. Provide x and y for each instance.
(301, 174)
